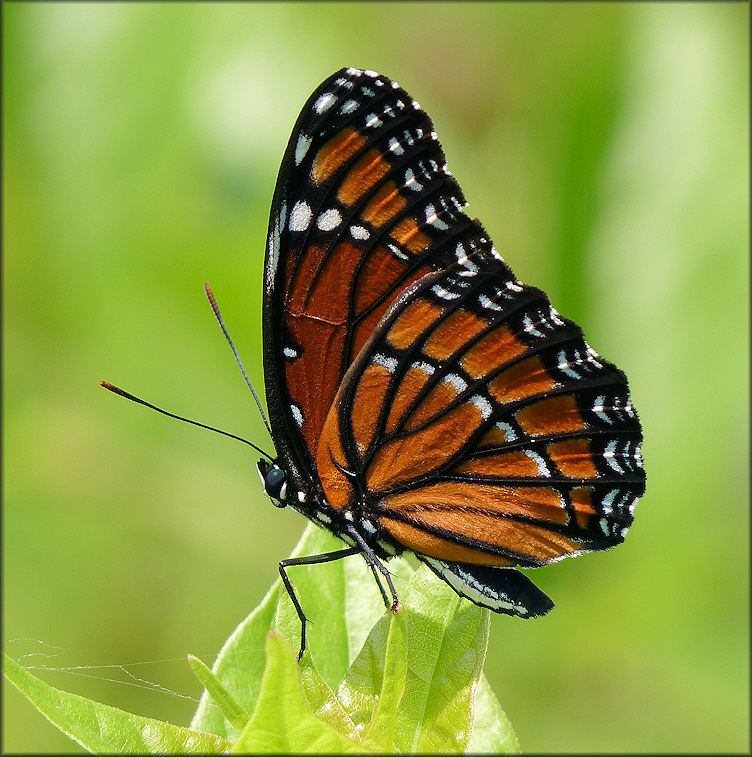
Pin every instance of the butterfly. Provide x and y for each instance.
(421, 398)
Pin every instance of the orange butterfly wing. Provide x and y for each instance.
(477, 426)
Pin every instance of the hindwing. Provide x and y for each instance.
(478, 426)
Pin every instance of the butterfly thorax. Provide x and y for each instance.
(312, 504)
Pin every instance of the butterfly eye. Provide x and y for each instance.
(275, 481)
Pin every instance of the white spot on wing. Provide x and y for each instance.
(300, 218)
(390, 363)
(468, 585)
(488, 303)
(427, 368)
(445, 294)
(324, 102)
(432, 217)
(456, 381)
(297, 414)
(600, 409)
(539, 461)
(395, 146)
(529, 326)
(509, 433)
(348, 107)
(610, 456)
(411, 181)
(564, 366)
(360, 232)
(483, 405)
(396, 250)
(301, 148)
(329, 220)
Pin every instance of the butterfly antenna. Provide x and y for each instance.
(215, 308)
(128, 396)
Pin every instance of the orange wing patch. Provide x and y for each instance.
(335, 153)
(309, 371)
(406, 458)
(582, 502)
(439, 399)
(365, 174)
(413, 322)
(537, 502)
(337, 487)
(418, 540)
(525, 379)
(386, 204)
(369, 398)
(379, 270)
(300, 278)
(573, 458)
(332, 273)
(412, 382)
(493, 350)
(444, 507)
(554, 415)
(453, 333)
(408, 234)
(496, 436)
(511, 464)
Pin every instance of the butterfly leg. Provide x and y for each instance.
(376, 564)
(308, 560)
(387, 598)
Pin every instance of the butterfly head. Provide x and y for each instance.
(274, 480)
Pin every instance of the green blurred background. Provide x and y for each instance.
(604, 147)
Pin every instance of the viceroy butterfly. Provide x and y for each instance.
(422, 399)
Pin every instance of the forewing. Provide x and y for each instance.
(478, 426)
(363, 207)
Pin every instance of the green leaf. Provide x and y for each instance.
(492, 731)
(233, 711)
(359, 691)
(342, 602)
(283, 722)
(239, 667)
(379, 735)
(100, 728)
(409, 682)
(323, 702)
(446, 640)
(446, 643)
(447, 647)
